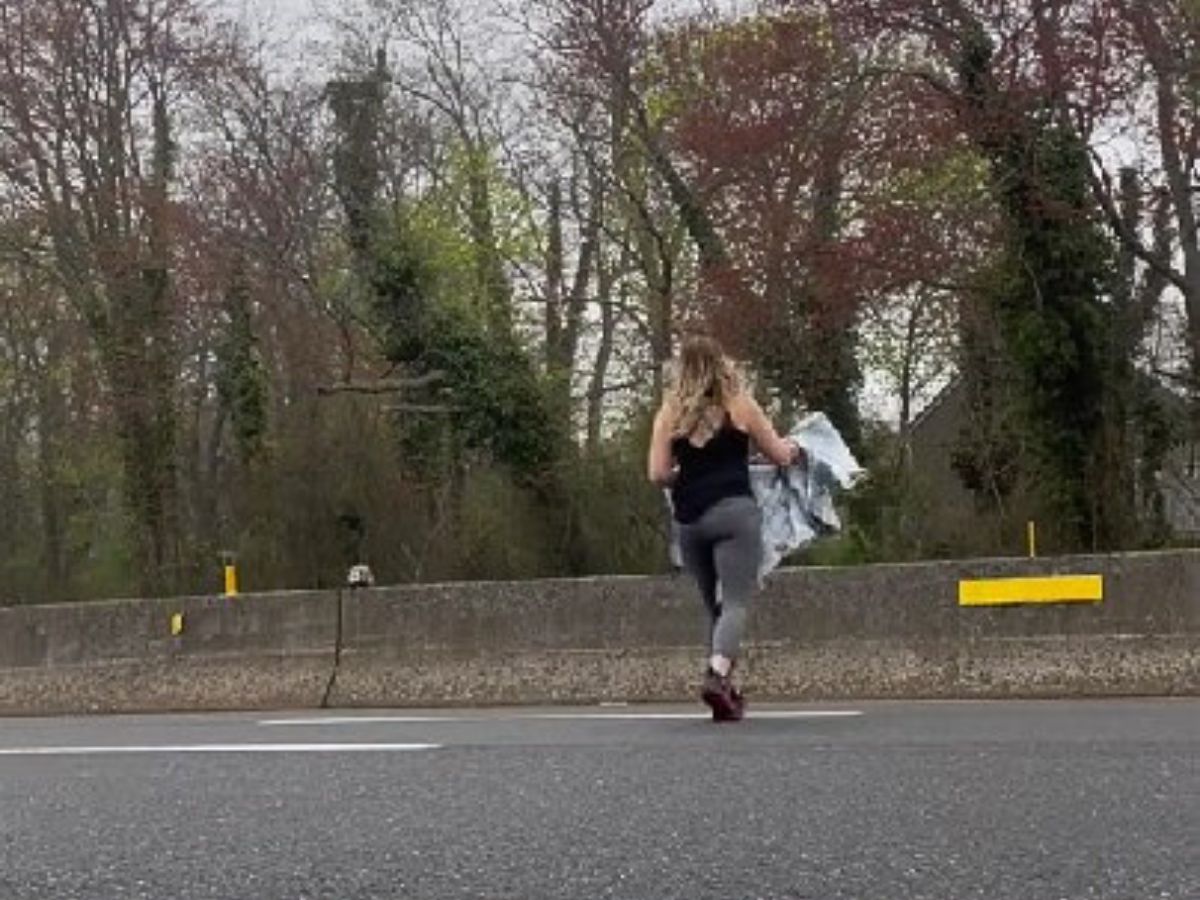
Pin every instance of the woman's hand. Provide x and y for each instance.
(748, 416)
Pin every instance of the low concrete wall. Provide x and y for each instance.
(878, 631)
(256, 651)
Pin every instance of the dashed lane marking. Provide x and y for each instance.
(553, 717)
(217, 748)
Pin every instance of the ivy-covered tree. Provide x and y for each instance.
(240, 378)
(491, 393)
(1055, 276)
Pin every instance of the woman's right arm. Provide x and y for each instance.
(660, 465)
(749, 416)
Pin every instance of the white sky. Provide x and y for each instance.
(286, 13)
(285, 25)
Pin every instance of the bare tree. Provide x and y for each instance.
(1167, 36)
(88, 89)
(435, 54)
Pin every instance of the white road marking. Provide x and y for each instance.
(557, 717)
(218, 748)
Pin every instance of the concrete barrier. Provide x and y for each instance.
(876, 631)
(256, 651)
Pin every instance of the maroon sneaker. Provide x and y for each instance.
(722, 697)
(739, 702)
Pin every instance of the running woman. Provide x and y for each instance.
(700, 449)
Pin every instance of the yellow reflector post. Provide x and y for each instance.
(1048, 589)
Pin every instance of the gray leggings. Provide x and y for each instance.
(723, 547)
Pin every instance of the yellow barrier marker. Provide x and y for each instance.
(231, 585)
(176, 624)
(1048, 589)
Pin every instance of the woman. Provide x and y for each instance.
(700, 447)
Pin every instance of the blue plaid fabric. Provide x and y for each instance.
(797, 502)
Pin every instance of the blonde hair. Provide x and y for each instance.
(705, 381)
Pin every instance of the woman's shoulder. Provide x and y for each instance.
(741, 408)
(669, 407)
(667, 415)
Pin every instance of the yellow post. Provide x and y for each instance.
(176, 624)
(1032, 528)
(229, 566)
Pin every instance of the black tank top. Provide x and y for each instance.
(708, 474)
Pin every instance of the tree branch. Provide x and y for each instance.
(382, 385)
(1102, 189)
(428, 408)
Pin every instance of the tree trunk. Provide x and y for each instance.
(52, 416)
(906, 372)
(142, 375)
(492, 281)
(832, 344)
(1183, 198)
(596, 388)
(654, 255)
(102, 180)
(11, 432)
(554, 280)
(565, 309)
(589, 261)
(139, 372)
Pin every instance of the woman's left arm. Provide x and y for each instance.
(660, 465)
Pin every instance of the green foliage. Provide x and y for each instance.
(97, 560)
(501, 404)
(338, 463)
(512, 210)
(619, 521)
(851, 548)
(466, 226)
(1160, 423)
(403, 285)
(502, 530)
(497, 399)
(959, 178)
(1049, 300)
(1056, 271)
(987, 453)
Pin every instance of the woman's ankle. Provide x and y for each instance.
(722, 665)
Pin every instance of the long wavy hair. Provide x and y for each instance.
(704, 384)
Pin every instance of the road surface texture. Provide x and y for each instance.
(886, 801)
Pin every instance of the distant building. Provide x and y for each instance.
(957, 520)
(1180, 484)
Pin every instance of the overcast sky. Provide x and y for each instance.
(286, 25)
(286, 12)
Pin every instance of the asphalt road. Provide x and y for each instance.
(948, 800)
